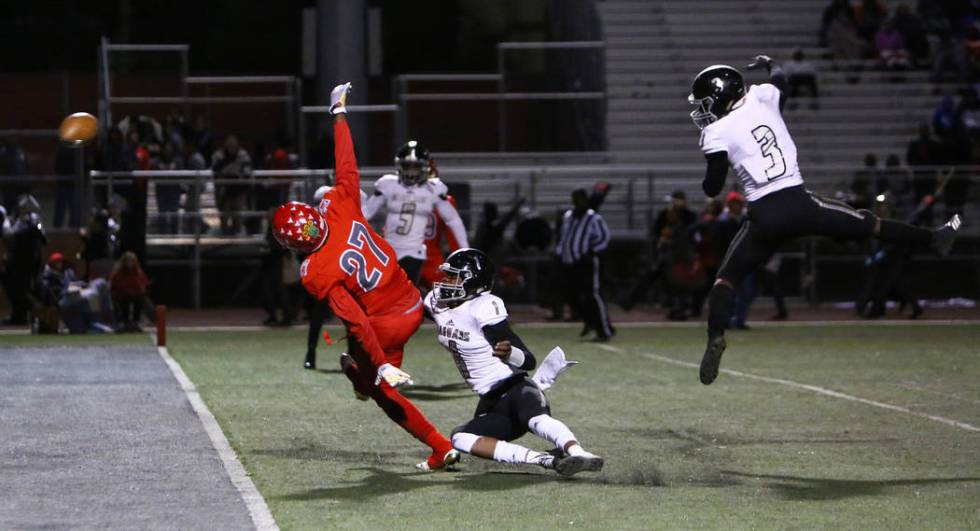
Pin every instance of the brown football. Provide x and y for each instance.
(78, 128)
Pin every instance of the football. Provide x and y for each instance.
(78, 128)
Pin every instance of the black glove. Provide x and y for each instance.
(761, 61)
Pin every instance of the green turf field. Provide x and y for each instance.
(742, 453)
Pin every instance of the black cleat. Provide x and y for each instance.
(712, 359)
(943, 237)
(309, 362)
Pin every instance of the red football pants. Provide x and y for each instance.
(393, 331)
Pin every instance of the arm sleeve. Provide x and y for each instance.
(600, 234)
(715, 173)
(358, 326)
(452, 220)
(347, 178)
(502, 332)
(374, 203)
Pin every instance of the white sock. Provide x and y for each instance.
(576, 450)
(464, 442)
(552, 430)
(506, 452)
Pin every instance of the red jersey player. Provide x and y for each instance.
(356, 271)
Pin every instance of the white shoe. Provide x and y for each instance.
(573, 464)
(451, 458)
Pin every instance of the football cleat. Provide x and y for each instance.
(573, 464)
(347, 364)
(437, 462)
(712, 359)
(943, 237)
(310, 361)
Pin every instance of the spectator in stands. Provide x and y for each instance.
(168, 193)
(191, 159)
(840, 31)
(863, 182)
(13, 163)
(836, 9)
(231, 162)
(949, 56)
(200, 136)
(729, 222)
(64, 199)
(909, 24)
(891, 47)
(128, 285)
(709, 250)
(801, 74)
(894, 181)
(490, 231)
(132, 219)
(672, 231)
(946, 118)
(100, 241)
(869, 16)
(275, 297)
(922, 155)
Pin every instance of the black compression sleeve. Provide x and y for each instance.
(501, 331)
(714, 175)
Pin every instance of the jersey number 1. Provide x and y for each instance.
(767, 143)
(353, 262)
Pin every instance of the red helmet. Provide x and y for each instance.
(299, 227)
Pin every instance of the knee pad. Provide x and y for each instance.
(464, 441)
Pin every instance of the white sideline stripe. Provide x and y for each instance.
(822, 391)
(610, 348)
(254, 501)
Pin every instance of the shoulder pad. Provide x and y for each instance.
(386, 182)
(488, 309)
(438, 187)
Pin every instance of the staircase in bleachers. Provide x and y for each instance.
(655, 47)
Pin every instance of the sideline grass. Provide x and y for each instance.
(737, 454)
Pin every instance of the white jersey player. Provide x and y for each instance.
(472, 326)
(744, 129)
(408, 200)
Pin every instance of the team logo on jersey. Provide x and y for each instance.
(310, 230)
(454, 333)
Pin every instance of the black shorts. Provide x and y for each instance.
(784, 214)
(504, 412)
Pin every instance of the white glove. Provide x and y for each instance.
(338, 98)
(393, 375)
(553, 365)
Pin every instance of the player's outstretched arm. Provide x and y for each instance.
(358, 325)
(508, 346)
(345, 163)
(776, 76)
(452, 220)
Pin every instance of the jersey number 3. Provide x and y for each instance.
(353, 262)
(767, 143)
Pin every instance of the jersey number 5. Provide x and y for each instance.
(353, 262)
(767, 143)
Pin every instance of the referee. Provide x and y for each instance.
(583, 235)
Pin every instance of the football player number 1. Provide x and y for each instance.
(353, 262)
(458, 359)
(770, 150)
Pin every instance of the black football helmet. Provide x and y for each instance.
(472, 273)
(715, 90)
(414, 164)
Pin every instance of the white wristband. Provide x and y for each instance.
(516, 358)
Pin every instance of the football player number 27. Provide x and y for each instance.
(767, 143)
(353, 261)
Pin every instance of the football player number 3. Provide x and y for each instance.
(353, 261)
(406, 218)
(767, 143)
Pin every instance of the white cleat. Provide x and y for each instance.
(573, 464)
(451, 458)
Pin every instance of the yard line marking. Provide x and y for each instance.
(257, 508)
(823, 391)
(610, 348)
(930, 391)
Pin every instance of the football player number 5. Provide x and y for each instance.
(353, 261)
(770, 150)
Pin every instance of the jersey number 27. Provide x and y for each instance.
(353, 261)
(767, 143)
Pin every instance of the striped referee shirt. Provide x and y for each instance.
(581, 235)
